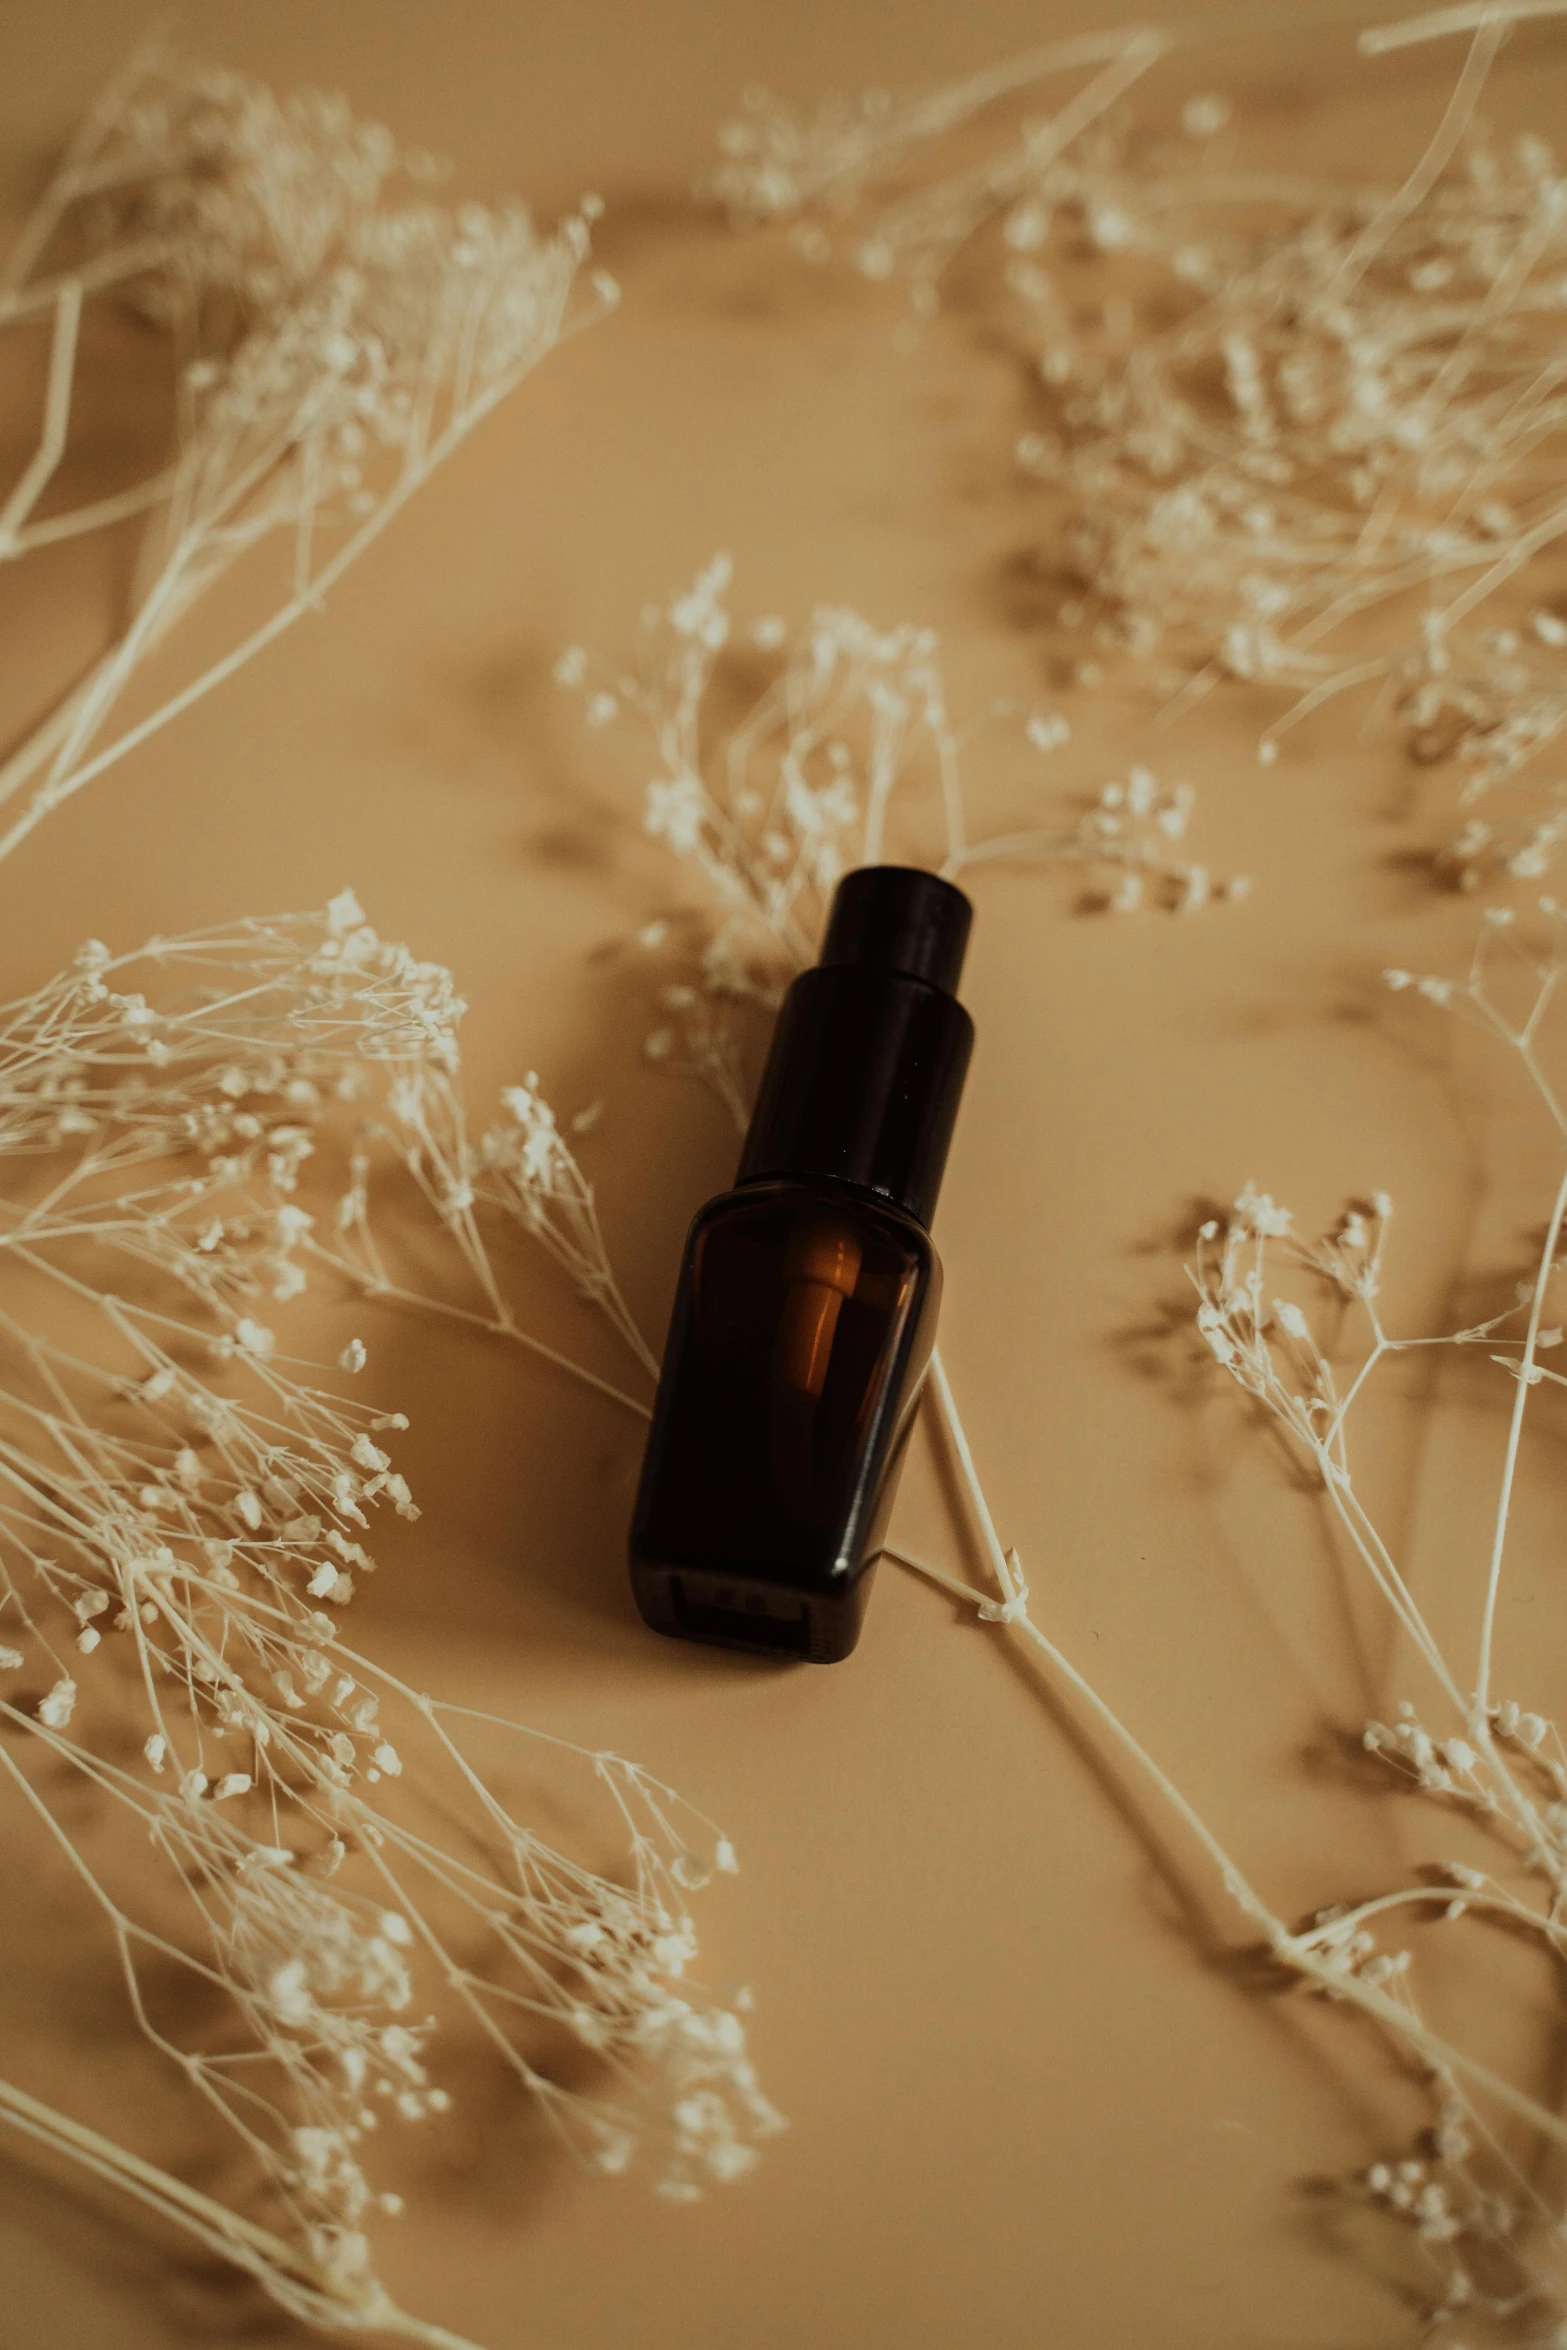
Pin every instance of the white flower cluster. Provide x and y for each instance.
(1336, 513)
(1267, 1343)
(333, 346)
(530, 1171)
(1496, 1762)
(1311, 435)
(1474, 2235)
(845, 756)
(1133, 827)
(181, 1528)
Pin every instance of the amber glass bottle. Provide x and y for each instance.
(806, 1308)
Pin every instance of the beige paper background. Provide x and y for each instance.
(1033, 2098)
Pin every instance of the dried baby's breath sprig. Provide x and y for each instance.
(831, 167)
(521, 1171)
(1499, 1764)
(1312, 435)
(1490, 2233)
(1299, 1327)
(846, 755)
(184, 1512)
(332, 341)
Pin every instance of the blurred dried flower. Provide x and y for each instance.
(332, 347)
(1310, 435)
(846, 755)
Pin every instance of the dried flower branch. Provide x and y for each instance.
(1488, 2228)
(180, 1504)
(1316, 437)
(329, 347)
(181, 1507)
(521, 1171)
(847, 755)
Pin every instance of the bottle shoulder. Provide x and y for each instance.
(774, 1198)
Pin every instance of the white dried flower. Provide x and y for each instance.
(336, 343)
(210, 1512)
(812, 781)
(55, 1710)
(1275, 372)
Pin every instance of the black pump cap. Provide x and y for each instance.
(871, 1048)
(900, 919)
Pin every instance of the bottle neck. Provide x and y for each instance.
(862, 1085)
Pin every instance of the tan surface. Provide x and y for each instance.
(1029, 2103)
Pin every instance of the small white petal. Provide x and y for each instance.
(344, 912)
(55, 1710)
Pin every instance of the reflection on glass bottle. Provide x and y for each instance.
(806, 1308)
(822, 1258)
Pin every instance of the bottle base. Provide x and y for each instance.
(743, 1612)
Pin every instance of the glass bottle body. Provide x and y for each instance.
(802, 1327)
